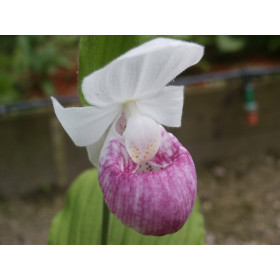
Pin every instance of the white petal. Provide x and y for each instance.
(94, 150)
(115, 132)
(165, 106)
(141, 71)
(85, 125)
(142, 138)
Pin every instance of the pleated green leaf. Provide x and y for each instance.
(80, 220)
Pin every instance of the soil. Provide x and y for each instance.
(27, 220)
(240, 200)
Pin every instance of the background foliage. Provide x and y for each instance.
(28, 62)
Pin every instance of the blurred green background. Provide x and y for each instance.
(29, 65)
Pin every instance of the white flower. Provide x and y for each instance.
(133, 84)
(147, 177)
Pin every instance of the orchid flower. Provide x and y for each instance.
(147, 177)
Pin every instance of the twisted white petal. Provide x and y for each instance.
(85, 125)
(94, 150)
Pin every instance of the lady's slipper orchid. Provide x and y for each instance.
(147, 177)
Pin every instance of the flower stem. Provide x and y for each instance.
(105, 224)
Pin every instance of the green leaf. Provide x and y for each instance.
(80, 220)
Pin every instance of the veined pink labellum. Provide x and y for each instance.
(155, 197)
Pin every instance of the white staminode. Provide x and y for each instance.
(142, 134)
(133, 84)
